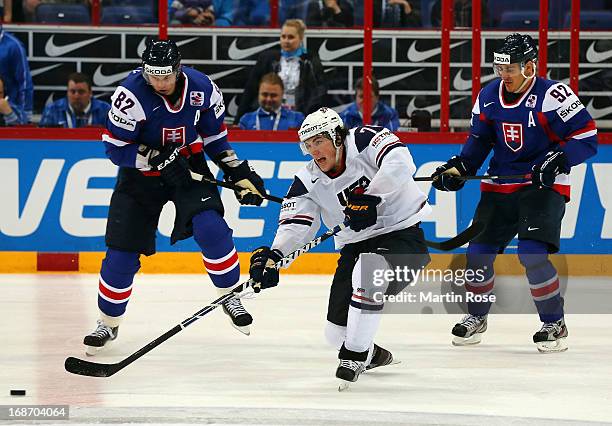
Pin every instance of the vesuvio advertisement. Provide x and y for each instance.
(55, 197)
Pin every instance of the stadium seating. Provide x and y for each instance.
(62, 13)
(520, 20)
(127, 15)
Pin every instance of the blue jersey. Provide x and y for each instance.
(261, 119)
(383, 115)
(140, 116)
(59, 113)
(15, 72)
(548, 116)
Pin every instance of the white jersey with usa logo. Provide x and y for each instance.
(139, 115)
(378, 162)
(547, 116)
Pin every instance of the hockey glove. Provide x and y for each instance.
(241, 174)
(262, 269)
(360, 210)
(444, 177)
(172, 166)
(544, 174)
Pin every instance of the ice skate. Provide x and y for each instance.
(551, 337)
(348, 372)
(380, 358)
(239, 317)
(100, 338)
(469, 330)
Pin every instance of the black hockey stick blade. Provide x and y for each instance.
(460, 239)
(87, 368)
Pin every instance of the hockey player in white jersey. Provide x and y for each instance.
(363, 175)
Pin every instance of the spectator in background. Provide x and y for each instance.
(397, 13)
(78, 109)
(382, 114)
(252, 13)
(291, 9)
(301, 73)
(29, 6)
(462, 13)
(271, 115)
(6, 10)
(10, 114)
(15, 72)
(207, 13)
(330, 13)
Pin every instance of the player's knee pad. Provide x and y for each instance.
(369, 282)
(335, 334)
(214, 237)
(210, 229)
(532, 253)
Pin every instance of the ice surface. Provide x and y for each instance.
(284, 372)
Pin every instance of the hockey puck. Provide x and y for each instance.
(18, 392)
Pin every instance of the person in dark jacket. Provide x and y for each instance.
(382, 115)
(330, 13)
(301, 72)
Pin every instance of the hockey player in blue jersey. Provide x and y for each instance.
(163, 119)
(535, 127)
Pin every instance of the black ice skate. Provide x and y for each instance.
(239, 317)
(100, 338)
(551, 337)
(469, 330)
(380, 358)
(352, 364)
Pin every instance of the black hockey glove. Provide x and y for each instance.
(544, 174)
(444, 176)
(241, 174)
(262, 269)
(360, 210)
(172, 166)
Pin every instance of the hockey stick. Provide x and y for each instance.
(228, 185)
(478, 177)
(457, 241)
(95, 369)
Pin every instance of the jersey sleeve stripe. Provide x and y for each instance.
(295, 221)
(108, 137)
(585, 132)
(209, 139)
(549, 132)
(385, 150)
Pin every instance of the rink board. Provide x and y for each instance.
(56, 195)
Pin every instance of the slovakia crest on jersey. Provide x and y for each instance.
(196, 98)
(513, 135)
(173, 136)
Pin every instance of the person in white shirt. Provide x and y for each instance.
(363, 175)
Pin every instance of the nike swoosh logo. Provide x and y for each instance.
(236, 53)
(415, 55)
(204, 199)
(431, 108)
(53, 50)
(232, 108)
(38, 71)
(488, 103)
(142, 45)
(580, 76)
(532, 229)
(329, 55)
(100, 79)
(593, 55)
(314, 180)
(598, 112)
(222, 74)
(389, 80)
(462, 84)
(156, 108)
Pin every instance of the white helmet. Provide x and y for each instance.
(323, 120)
